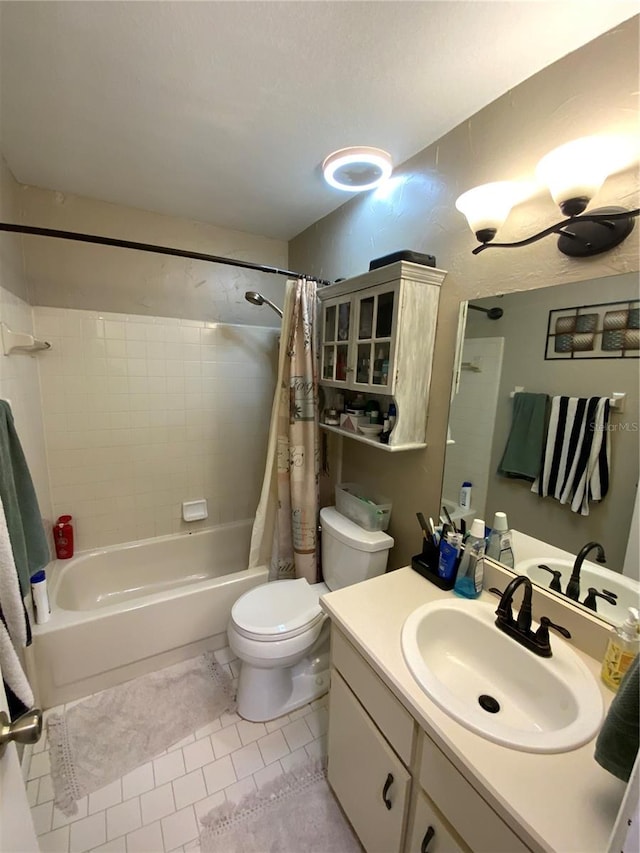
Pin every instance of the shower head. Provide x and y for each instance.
(492, 313)
(256, 298)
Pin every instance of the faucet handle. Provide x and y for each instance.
(555, 580)
(591, 599)
(542, 634)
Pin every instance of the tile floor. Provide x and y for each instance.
(156, 808)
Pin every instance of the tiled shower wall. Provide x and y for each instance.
(143, 413)
(20, 385)
(471, 421)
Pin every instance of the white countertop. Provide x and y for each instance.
(555, 802)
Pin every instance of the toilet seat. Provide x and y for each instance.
(279, 610)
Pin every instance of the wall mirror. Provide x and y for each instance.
(507, 343)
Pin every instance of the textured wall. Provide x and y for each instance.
(590, 91)
(64, 274)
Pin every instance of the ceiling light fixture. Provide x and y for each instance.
(357, 168)
(573, 174)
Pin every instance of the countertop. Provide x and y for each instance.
(558, 802)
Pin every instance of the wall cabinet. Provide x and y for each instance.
(377, 337)
(398, 790)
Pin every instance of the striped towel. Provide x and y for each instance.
(575, 465)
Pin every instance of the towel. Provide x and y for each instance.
(15, 631)
(617, 743)
(522, 456)
(28, 540)
(575, 466)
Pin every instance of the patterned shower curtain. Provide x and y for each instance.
(285, 530)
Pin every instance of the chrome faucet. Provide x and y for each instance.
(519, 629)
(573, 587)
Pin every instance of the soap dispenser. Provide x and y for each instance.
(623, 646)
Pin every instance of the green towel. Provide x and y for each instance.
(28, 540)
(617, 743)
(523, 454)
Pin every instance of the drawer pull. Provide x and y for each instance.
(427, 838)
(385, 791)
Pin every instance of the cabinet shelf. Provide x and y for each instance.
(390, 448)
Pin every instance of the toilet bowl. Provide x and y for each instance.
(279, 631)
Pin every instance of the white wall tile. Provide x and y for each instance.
(126, 393)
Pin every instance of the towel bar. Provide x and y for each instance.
(616, 400)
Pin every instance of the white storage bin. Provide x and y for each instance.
(370, 510)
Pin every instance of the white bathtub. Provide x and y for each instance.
(122, 611)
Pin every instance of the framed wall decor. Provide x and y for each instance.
(603, 330)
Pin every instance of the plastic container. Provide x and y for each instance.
(499, 545)
(40, 597)
(471, 572)
(63, 537)
(465, 495)
(623, 646)
(370, 510)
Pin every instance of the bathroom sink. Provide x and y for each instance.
(591, 574)
(493, 685)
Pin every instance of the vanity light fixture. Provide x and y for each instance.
(357, 168)
(573, 173)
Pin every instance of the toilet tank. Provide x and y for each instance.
(350, 554)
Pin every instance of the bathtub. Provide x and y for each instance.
(126, 610)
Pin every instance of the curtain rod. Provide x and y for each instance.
(150, 247)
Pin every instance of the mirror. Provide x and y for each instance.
(514, 342)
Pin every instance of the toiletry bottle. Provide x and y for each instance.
(499, 545)
(392, 415)
(469, 579)
(623, 646)
(63, 537)
(465, 495)
(448, 555)
(40, 597)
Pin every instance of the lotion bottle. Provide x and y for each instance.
(465, 495)
(623, 646)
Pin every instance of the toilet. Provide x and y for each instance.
(281, 635)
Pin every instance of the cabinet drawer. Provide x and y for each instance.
(364, 771)
(393, 720)
(462, 806)
(429, 832)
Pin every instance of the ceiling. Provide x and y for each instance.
(224, 111)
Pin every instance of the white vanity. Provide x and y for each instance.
(411, 778)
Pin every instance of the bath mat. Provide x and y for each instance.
(293, 813)
(111, 733)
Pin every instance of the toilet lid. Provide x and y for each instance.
(278, 610)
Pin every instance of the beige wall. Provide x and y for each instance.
(592, 90)
(65, 274)
(524, 327)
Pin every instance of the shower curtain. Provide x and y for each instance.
(284, 533)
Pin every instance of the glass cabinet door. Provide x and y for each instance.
(335, 340)
(375, 329)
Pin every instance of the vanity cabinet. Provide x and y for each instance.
(377, 337)
(396, 787)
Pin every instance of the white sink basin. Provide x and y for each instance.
(591, 574)
(457, 654)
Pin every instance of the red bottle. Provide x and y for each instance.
(63, 537)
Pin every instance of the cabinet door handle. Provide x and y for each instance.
(385, 790)
(427, 838)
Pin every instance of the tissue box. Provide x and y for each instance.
(352, 422)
